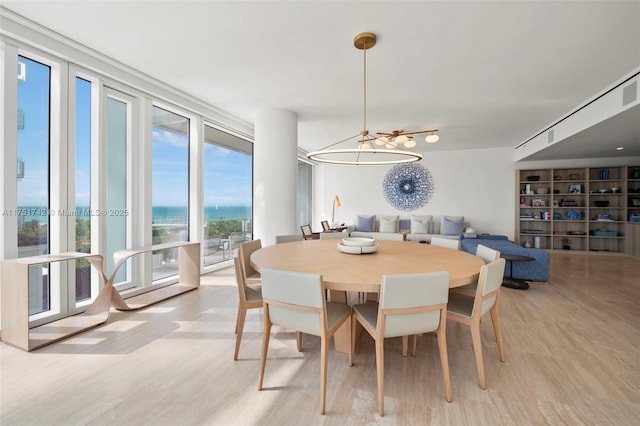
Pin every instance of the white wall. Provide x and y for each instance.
(476, 184)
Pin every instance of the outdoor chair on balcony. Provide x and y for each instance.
(235, 239)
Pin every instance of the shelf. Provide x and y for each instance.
(15, 294)
(15, 304)
(188, 275)
(581, 185)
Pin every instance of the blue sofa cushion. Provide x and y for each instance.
(451, 225)
(365, 223)
(538, 270)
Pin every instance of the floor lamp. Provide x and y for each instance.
(336, 202)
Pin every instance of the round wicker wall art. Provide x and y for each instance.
(408, 187)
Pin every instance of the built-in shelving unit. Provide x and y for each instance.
(585, 209)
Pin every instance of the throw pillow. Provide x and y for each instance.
(420, 224)
(388, 224)
(451, 225)
(365, 223)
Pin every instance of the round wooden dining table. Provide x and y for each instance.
(363, 272)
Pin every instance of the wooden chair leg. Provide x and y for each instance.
(238, 319)
(265, 346)
(350, 337)
(477, 349)
(405, 345)
(324, 355)
(354, 327)
(444, 354)
(495, 319)
(299, 341)
(242, 314)
(380, 372)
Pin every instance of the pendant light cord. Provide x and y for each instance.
(364, 90)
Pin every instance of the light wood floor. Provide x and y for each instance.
(573, 357)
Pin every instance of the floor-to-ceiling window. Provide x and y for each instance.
(34, 109)
(169, 187)
(305, 189)
(100, 162)
(118, 128)
(228, 189)
(82, 185)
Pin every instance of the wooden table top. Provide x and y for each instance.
(341, 271)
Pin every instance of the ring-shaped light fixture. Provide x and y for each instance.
(324, 156)
(365, 151)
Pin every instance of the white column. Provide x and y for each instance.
(275, 175)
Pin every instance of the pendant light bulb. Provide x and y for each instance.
(432, 138)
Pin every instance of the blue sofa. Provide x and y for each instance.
(538, 270)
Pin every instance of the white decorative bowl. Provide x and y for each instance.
(358, 250)
(358, 242)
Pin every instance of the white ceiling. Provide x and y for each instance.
(487, 74)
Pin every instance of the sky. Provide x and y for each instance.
(227, 173)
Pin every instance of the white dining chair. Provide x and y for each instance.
(280, 239)
(251, 276)
(409, 304)
(488, 255)
(445, 242)
(390, 236)
(249, 297)
(469, 310)
(296, 301)
(333, 235)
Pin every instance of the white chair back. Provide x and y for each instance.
(295, 299)
(288, 238)
(445, 242)
(487, 254)
(405, 302)
(333, 235)
(491, 276)
(389, 236)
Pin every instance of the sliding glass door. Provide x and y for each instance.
(170, 187)
(228, 189)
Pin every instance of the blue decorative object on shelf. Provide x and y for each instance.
(574, 214)
(408, 186)
(557, 216)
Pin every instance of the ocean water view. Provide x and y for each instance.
(166, 214)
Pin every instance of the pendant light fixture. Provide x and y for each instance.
(365, 152)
